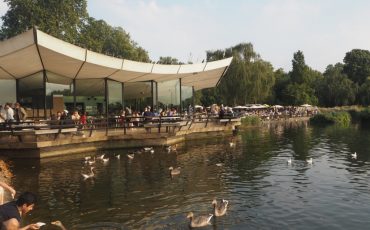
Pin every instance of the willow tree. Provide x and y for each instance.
(249, 79)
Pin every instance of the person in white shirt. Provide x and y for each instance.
(9, 113)
(2, 114)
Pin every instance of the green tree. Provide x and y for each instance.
(336, 89)
(357, 65)
(282, 80)
(68, 20)
(249, 79)
(61, 19)
(303, 83)
(364, 93)
(168, 61)
(300, 69)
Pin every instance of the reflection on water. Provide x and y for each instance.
(264, 191)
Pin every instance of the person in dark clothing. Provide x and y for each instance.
(11, 213)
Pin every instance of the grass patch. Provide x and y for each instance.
(342, 118)
(251, 120)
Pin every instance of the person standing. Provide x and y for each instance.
(19, 113)
(11, 213)
(9, 113)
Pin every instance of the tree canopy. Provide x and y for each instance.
(249, 78)
(68, 20)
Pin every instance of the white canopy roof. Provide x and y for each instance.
(34, 51)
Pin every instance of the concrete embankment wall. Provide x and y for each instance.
(30, 145)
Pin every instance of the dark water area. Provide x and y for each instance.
(263, 190)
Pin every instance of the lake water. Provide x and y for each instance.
(263, 190)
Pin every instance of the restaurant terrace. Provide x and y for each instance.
(46, 75)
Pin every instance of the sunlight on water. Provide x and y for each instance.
(264, 190)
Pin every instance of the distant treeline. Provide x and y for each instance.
(249, 79)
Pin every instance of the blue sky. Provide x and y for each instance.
(185, 29)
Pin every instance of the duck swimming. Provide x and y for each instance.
(59, 224)
(174, 171)
(220, 207)
(199, 221)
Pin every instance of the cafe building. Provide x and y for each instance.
(47, 75)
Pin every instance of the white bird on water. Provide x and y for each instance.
(148, 149)
(118, 156)
(89, 175)
(354, 155)
(59, 224)
(309, 161)
(174, 171)
(289, 161)
(131, 156)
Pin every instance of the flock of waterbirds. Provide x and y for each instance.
(219, 207)
(310, 160)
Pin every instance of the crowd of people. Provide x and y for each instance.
(10, 112)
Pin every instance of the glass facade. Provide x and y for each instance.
(45, 95)
(169, 94)
(8, 91)
(186, 98)
(90, 97)
(31, 94)
(115, 103)
(137, 95)
(59, 93)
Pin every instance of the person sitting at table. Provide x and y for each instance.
(75, 117)
(2, 114)
(9, 113)
(20, 113)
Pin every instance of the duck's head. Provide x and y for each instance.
(190, 215)
(57, 222)
(170, 168)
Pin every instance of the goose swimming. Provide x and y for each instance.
(59, 224)
(148, 149)
(174, 171)
(199, 221)
(220, 207)
(354, 155)
(89, 175)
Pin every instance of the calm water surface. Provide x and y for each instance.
(263, 190)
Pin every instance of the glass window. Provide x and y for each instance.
(137, 95)
(90, 97)
(59, 92)
(114, 97)
(8, 91)
(169, 94)
(186, 97)
(31, 91)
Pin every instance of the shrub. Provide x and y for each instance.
(251, 120)
(338, 118)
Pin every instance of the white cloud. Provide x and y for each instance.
(3, 9)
